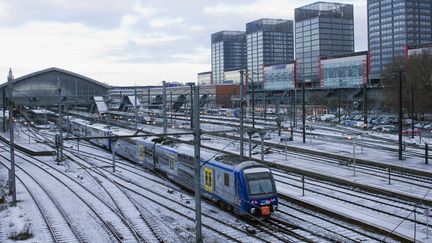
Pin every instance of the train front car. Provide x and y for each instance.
(257, 189)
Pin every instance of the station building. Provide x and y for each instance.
(42, 88)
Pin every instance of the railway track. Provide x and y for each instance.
(379, 206)
(329, 228)
(369, 141)
(160, 199)
(286, 236)
(381, 173)
(59, 224)
(125, 204)
(102, 214)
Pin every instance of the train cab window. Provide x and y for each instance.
(226, 179)
(259, 181)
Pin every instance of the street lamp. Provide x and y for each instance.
(354, 151)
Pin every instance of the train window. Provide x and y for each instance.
(226, 179)
(208, 179)
(141, 152)
(171, 163)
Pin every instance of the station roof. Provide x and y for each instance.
(25, 77)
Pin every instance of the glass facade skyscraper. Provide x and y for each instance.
(269, 42)
(322, 29)
(228, 51)
(393, 25)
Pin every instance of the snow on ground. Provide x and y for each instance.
(15, 218)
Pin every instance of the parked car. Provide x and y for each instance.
(388, 128)
(416, 131)
(419, 125)
(327, 117)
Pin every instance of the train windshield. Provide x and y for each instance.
(260, 181)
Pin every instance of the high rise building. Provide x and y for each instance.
(228, 51)
(269, 41)
(393, 25)
(322, 29)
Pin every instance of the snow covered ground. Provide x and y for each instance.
(25, 215)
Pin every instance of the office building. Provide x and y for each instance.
(228, 51)
(322, 29)
(269, 42)
(393, 25)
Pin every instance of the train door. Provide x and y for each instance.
(208, 179)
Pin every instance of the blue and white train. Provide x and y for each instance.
(247, 187)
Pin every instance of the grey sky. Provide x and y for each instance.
(123, 42)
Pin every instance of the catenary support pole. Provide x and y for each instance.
(241, 113)
(164, 113)
(250, 133)
(412, 111)
(426, 153)
(304, 113)
(354, 155)
(253, 104)
(113, 155)
(295, 107)
(60, 118)
(400, 116)
(191, 106)
(171, 106)
(4, 108)
(197, 136)
(339, 102)
(12, 186)
(265, 106)
(262, 136)
(136, 108)
(148, 98)
(365, 104)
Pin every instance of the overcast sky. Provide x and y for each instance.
(128, 42)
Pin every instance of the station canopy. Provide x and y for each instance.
(50, 86)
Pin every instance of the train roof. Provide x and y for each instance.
(248, 164)
(221, 160)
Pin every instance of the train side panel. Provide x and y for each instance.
(127, 148)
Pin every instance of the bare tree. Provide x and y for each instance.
(416, 74)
